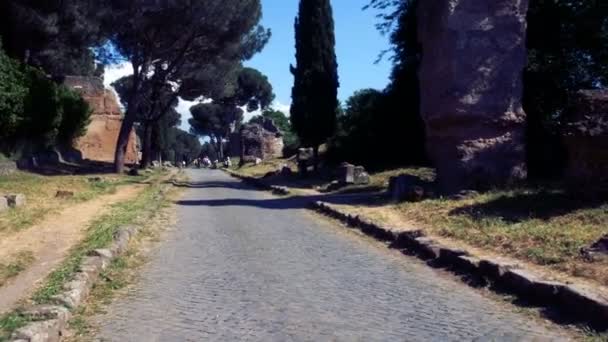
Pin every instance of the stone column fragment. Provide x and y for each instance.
(473, 56)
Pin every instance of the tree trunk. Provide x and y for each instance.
(242, 149)
(315, 158)
(123, 141)
(146, 156)
(220, 148)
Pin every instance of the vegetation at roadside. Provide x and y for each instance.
(99, 235)
(36, 113)
(315, 105)
(40, 194)
(122, 272)
(14, 265)
(545, 226)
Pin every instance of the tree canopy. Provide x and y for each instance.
(194, 43)
(251, 89)
(55, 35)
(314, 94)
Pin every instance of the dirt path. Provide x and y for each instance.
(50, 240)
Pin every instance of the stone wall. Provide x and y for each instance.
(585, 136)
(7, 167)
(473, 56)
(260, 140)
(99, 143)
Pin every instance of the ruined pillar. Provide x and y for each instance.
(473, 56)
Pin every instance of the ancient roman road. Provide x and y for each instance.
(243, 265)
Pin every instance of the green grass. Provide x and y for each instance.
(99, 235)
(16, 265)
(10, 323)
(547, 227)
(40, 192)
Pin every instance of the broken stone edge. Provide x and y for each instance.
(51, 320)
(278, 190)
(585, 304)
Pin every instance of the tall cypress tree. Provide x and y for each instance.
(315, 91)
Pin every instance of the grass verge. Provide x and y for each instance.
(40, 192)
(99, 235)
(16, 264)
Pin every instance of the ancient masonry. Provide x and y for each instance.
(259, 140)
(473, 56)
(99, 143)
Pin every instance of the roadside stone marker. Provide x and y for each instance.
(15, 200)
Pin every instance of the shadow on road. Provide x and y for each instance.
(293, 202)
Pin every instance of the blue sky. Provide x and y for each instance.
(358, 45)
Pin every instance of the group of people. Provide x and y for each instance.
(205, 162)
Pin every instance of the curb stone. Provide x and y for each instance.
(588, 305)
(50, 321)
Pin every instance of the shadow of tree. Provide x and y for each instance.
(542, 205)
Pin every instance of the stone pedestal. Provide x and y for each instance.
(473, 56)
(347, 173)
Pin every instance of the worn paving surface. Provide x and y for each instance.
(245, 266)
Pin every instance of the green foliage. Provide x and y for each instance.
(12, 96)
(218, 119)
(199, 46)
(567, 51)
(55, 35)
(185, 146)
(314, 94)
(35, 112)
(75, 116)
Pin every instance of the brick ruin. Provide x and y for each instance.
(99, 143)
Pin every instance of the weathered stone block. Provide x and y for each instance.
(597, 251)
(43, 331)
(471, 87)
(406, 188)
(360, 176)
(15, 200)
(64, 194)
(7, 167)
(346, 173)
(261, 140)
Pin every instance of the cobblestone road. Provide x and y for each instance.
(244, 266)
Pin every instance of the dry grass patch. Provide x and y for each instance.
(15, 265)
(546, 227)
(40, 192)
